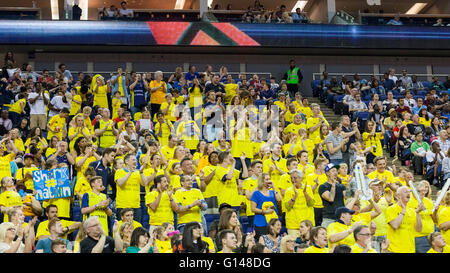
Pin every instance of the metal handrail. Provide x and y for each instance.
(314, 75)
(164, 72)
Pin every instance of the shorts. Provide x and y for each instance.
(38, 121)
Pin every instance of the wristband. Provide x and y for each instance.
(292, 199)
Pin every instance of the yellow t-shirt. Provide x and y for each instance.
(187, 197)
(311, 180)
(168, 152)
(150, 172)
(82, 186)
(10, 199)
(444, 216)
(249, 184)
(213, 186)
(300, 211)
(195, 97)
(83, 168)
(275, 174)
(63, 205)
(100, 98)
(311, 122)
(401, 240)
(21, 173)
(293, 128)
(163, 212)
(241, 143)
(74, 130)
(374, 141)
(380, 220)
(94, 199)
(5, 168)
(337, 227)
(314, 249)
(165, 133)
(227, 191)
(446, 249)
(115, 106)
(189, 135)
(230, 92)
(425, 215)
(42, 229)
(128, 195)
(164, 246)
(75, 107)
(170, 112)
(56, 123)
(158, 96)
(424, 122)
(358, 249)
(16, 106)
(386, 174)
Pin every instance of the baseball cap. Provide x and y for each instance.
(341, 210)
(331, 166)
(224, 205)
(374, 182)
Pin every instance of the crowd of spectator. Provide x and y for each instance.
(202, 162)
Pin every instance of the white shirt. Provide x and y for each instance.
(38, 107)
(58, 103)
(394, 78)
(127, 12)
(4, 247)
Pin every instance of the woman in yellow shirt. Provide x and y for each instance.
(77, 131)
(158, 90)
(373, 139)
(319, 240)
(41, 144)
(75, 107)
(168, 108)
(188, 131)
(100, 93)
(424, 119)
(116, 103)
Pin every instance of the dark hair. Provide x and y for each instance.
(125, 210)
(223, 234)
(271, 223)
(188, 241)
(358, 230)
(158, 179)
(57, 242)
(342, 249)
(137, 232)
(314, 232)
(108, 150)
(93, 179)
(47, 209)
(223, 155)
(224, 219)
(258, 248)
(210, 154)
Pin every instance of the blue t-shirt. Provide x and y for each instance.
(260, 199)
(189, 77)
(46, 244)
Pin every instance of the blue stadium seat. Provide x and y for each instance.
(395, 93)
(426, 84)
(382, 97)
(367, 102)
(367, 97)
(422, 92)
(363, 115)
(314, 84)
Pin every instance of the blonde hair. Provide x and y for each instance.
(3, 228)
(283, 242)
(425, 183)
(261, 178)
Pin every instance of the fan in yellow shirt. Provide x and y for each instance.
(24, 175)
(363, 242)
(315, 122)
(315, 179)
(341, 231)
(444, 217)
(57, 125)
(161, 203)
(188, 131)
(438, 243)
(403, 223)
(190, 202)
(100, 90)
(319, 240)
(75, 106)
(381, 173)
(298, 203)
(228, 178)
(275, 165)
(163, 129)
(9, 197)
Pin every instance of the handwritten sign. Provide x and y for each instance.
(52, 184)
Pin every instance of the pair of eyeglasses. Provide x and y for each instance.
(290, 241)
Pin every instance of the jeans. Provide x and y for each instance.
(422, 245)
(318, 216)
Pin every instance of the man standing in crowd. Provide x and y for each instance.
(332, 194)
(293, 77)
